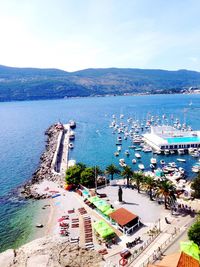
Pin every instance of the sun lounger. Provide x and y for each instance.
(88, 243)
(71, 211)
(88, 240)
(90, 246)
(74, 241)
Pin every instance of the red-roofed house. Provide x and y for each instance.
(126, 220)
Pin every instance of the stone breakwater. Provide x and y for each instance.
(44, 171)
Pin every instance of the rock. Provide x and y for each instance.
(7, 258)
(51, 251)
(44, 170)
(38, 260)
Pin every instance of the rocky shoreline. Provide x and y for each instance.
(44, 171)
(50, 251)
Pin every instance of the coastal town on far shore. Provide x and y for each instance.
(139, 218)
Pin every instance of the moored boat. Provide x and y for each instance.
(71, 135)
(127, 153)
(72, 124)
(153, 161)
(134, 161)
(141, 166)
(181, 151)
(181, 160)
(71, 146)
(138, 155)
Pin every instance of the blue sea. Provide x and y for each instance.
(22, 140)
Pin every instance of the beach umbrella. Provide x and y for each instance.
(191, 249)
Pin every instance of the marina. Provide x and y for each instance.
(91, 146)
(158, 143)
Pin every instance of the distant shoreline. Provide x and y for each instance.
(95, 96)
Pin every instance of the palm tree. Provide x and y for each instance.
(150, 182)
(138, 178)
(167, 190)
(112, 170)
(127, 173)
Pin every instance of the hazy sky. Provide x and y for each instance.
(78, 34)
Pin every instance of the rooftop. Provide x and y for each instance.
(122, 216)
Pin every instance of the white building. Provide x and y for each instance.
(167, 137)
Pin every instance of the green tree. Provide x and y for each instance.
(127, 173)
(194, 232)
(88, 177)
(196, 187)
(138, 177)
(166, 189)
(150, 182)
(73, 174)
(112, 170)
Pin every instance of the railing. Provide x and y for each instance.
(139, 251)
(136, 253)
(153, 257)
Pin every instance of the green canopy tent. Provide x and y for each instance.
(107, 212)
(105, 233)
(104, 208)
(94, 199)
(191, 249)
(103, 229)
(100, 203)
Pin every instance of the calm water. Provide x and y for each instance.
(22, 141)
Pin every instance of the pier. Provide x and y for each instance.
(60, 160)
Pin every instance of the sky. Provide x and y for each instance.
(79, 34)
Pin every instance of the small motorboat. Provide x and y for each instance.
(122, 163)
(181, 160)
(134, 161)
(119, 139)
(132, 147)
(141, 166)
(119, 148)
(166, 151)
(152, 166)
(71, 135)
(138, 149)
(71, 146)
(116, 154)
(162, 162)
(153, 161)
(138, 156)
(127, 153)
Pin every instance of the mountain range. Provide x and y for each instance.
(35, 84)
